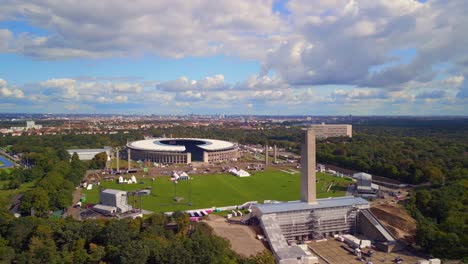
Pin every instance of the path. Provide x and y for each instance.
(72, 211)
(241, 237)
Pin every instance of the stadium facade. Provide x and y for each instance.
(182, 150)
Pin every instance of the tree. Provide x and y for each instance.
(36, 199)
(7, 253)
(79, 252)
(99, 161)
(42, 251)
(96, 253)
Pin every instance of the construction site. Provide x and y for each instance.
(288, 225)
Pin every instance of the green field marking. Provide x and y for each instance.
(217, 190)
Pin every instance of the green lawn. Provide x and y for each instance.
(218, 190)
(6, 195)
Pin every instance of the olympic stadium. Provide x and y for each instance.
(182, 150)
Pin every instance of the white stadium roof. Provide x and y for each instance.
(156, 144)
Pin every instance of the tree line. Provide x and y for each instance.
(39, 240)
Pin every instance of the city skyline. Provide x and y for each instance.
(291, 57)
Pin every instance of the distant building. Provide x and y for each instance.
(29, 125)
(332, 130)
(88, 154)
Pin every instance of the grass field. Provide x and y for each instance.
(6, 195)
(218, 190)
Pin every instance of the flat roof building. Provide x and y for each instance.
(113, 201)
(332, 130)
(88, 154)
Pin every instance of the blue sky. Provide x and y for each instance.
(401, 57)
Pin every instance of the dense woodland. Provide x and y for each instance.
(38, 240)
(414, 152)
(441, 213)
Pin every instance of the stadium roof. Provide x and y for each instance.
(158, 145)
(321, 203)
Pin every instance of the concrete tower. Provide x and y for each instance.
(266, 154)
(129, 158)
(308, 188)
(117, 154)
(275, 153)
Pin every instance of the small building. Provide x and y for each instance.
(321, 168)
(89, 154)
(114, 198)
(365, 187)
(105, 209)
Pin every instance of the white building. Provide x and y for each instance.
(365, 185)
(88, 154)
(112, 201)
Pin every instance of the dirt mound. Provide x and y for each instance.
(397, 220)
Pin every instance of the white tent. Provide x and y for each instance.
(239, 173)
(121, 179)
(133, 179)
(89, 187)
(242, 173)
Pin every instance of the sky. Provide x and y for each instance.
(265, 57)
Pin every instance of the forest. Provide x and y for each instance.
(39, 240)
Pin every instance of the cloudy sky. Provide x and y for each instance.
(312, 57)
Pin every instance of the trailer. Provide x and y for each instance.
(353, 241)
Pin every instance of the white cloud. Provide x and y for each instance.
(102, 92)
(7, 91)
(172, 28)
(215, 82)
(189, 96)
(257, 82)
(121, 98)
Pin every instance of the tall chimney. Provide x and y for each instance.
(308, 185)
(266, 154)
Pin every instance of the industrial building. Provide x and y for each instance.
(88, 154)
(112, 201)
(313, 218)
(332, 130)
(182, 150)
